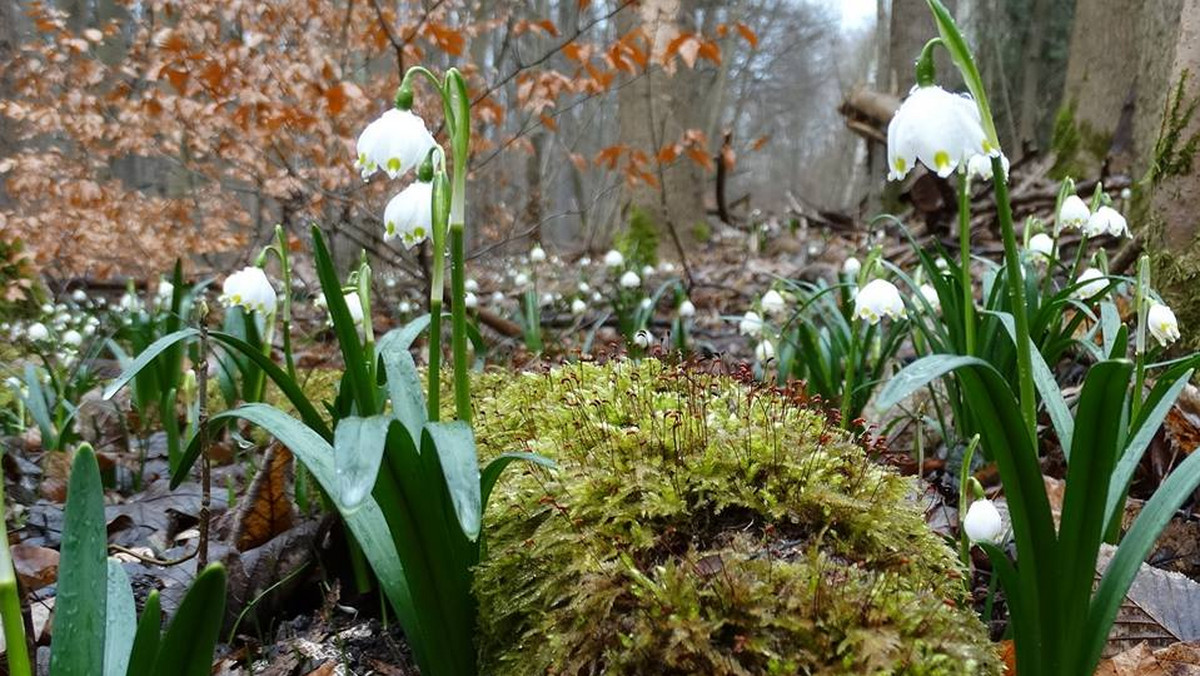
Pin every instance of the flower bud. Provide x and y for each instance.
(982, 522)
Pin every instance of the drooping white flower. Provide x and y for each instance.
(354, 305)
(470, 301)
(751, 324)
(937, 128)
(578, 306)
(72, 338)
(521, 279)
(765, 351)
(409, 215)
(646, 304)
(614, 259)
(1095, 283)
(130, 303)
(647, 271)
(931, 296)
(851, 267)
(1106, 220)
(1042, 244)
(877, 299)
(1074, 213)
(584, 287)
(395, 142)
(942, 264)
(165, 290)
(1126, 194)
(537, 254)
(405, 307)
(1162, 323)
(547, 298)
(585, 261)
(37, 331)
(471, 285)
(643, 338)
(982, 522)
(249, 288)
(980, 166)
(630, 280)
(687, 309)
(772, 303)
(497, 298)
(79, 296)
(666, 267)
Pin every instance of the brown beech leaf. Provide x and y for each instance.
(1162, 608)
(267, 508)
(36, 566)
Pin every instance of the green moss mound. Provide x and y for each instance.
(697, 525)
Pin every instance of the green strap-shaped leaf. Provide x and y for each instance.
(357, 451)
(1136, 544)
(79, 608)
(122, 621)
(491, 473)
(1102, 404)
(147, 356)
(35, 402)
(1047, 387)
(919, 374)
(403, 381)
(455, 444)
(145, 641)
(344, 326)
(1024, 638)
(187, 647)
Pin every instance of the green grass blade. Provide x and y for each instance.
(145, 641)
(1134, 548)
(187, 647)
(122, 621)
(79, 608)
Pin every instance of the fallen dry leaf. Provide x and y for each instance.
(267, 508)
(1161, 608)
(35, 566)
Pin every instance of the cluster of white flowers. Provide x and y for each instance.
(1074, 213)
(60, 329)
(396, 143)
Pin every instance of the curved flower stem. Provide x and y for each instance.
(964, 245)
(437, 286)
(459, 104)
(286, 272)
(1016, 290)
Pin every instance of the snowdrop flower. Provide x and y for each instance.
(772, 303)
(687, 309)
(88, 329)
(643, 338)
(1161, 321)
(937, 128)
(405, 307)
(1106, 220)
(646, 304)
(521, 279)
(354, 305)
(851, 267)
(666, 267)
(765, 351)
(547, 298)
(79, 296)
(931, 296)
(470, 301)
(578, 307)
(982, 522)
(751, 324)
(47, 309)
(537, 254)
(1074, 213)
(1043, 244)
(1095, 283)
(1126, 194)
(584, 287)
(647, 270)
(165, 290)
(614, 259)
(630, 280)
(37, 332)
(471, 286)
(395, 142)
(585, 261)
(72, 338)
(941, 264)
(497, 298)
(597, 297)
(878, 298)
(249, 288)
(980, 166)
(409, 215)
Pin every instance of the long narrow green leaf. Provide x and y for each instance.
(82, 574)
(145, 641)
(357, 452)
(919, 374)
(1024, 638)
(455, 444)
(35, 402)
(1136, 544)
(1102, 403)
(187, 647)
(1047, 387)
(403, 382)
(1158, 405)
(147, 356)
(344, 326)
(122, 621)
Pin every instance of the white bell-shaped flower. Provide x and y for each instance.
(1106, 221)
(578, 306)
(643, 338)
(1095, 283)
(521, 279)
(1042, 244)
(980, 166)
(937, 128)
(772, 302)
(409, 215)
(751, 324)
(614, 259)
(37, 332)
(765, 351)
(1074, 213)
(1162, 323)
(470, 301)
(537, 254)
(851, 267)
(630, 280)
(395, 142)
(354, 305)
(929, 293)
(72, 338)
(249, 288)
(877, 299)
(687, 309)
(983, 523)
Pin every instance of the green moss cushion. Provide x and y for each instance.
(696, 525)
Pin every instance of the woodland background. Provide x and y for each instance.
(133, 131)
